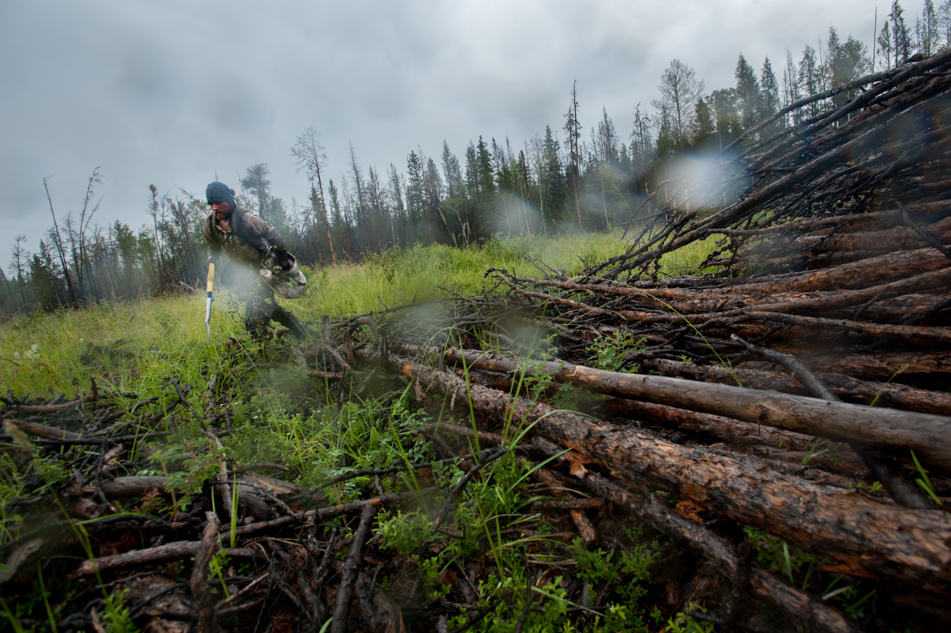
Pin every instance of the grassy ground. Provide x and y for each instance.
(45, 354)
(140, 351)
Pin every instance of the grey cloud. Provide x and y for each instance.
(171, 92)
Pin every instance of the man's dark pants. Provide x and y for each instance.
(261, 307)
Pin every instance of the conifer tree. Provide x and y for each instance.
(747, 92)
(452, 172)
(605, 140)
(414, 191)
(642, 144)
(573, 130)
(256, 182)
(396, 201)
(703, 128)
(472, 173)
(809, 78)
(556, 189)
(885, 44)
(791, 90)
(929, 36)
(944, 24)
(726, 119)
(484, 169)
(901, 38)
(18, 263)
(769, 99)
(339, 223)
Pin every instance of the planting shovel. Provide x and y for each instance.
(211, 285)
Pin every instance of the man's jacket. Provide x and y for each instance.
(247, 240)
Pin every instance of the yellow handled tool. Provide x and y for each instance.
(211, 286)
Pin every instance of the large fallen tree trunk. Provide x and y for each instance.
(928, 435)
(892, 395)
(855, 534)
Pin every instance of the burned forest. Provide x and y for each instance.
(764, 445)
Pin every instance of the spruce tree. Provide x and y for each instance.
(809, 78)
(769, 100)
(885, 44)
(901, 37)
(256, 182)
(573, 129)
(414, 192)
(703, 128)
(944, 24)
(791, 91)
(452, 172)
(747, 92)
(726, 118)
(642, 143)
(556, 191)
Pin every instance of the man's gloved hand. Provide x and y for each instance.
(284, 260)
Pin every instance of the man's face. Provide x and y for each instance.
(222, 210)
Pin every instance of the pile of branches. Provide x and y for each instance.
(806, 402)
(854, 182)
(808, 399)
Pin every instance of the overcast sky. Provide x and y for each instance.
(171, 93)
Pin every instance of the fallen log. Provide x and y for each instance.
(198, 582)
(856, 535)
(890, 395)
(899, 486)
(854, 275)
(798, 605)
(41, 430)
(928, 435)
(341, 613)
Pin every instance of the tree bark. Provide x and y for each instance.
(858, 535)
(928, 435)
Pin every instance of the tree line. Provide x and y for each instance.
(570, 179)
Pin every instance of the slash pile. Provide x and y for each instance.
(765, 447)
(802, 386)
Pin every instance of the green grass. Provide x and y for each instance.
(280, 415)
(150, 339)
(42, 354)
(395, 278)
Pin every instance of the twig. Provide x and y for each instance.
(204, 601)
(345, 590)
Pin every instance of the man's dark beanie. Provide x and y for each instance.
(219, 192)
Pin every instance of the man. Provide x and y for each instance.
(246, 238)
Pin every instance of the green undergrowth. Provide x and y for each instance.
(129, 346)
(267, 410)
(126, 347)
(397, 277)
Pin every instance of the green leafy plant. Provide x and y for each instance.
(403, 533)
(610, 351)
(219, 561)
(196, 469)
(116, 616)
(685, 623)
